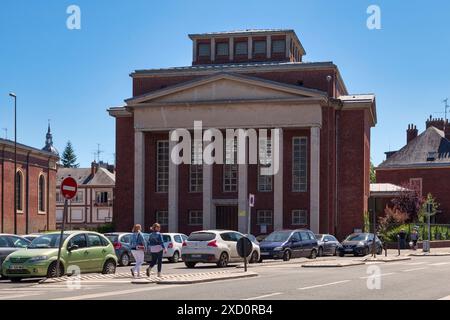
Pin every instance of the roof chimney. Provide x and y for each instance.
(94, 167)
(411, 133)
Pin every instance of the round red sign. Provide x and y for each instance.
(69, 188)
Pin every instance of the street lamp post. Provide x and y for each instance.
(13, 95)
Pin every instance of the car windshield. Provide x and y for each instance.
(47, 241)
(112, 237)
(278, 236)
(252, 238)
(201, 236)
(357, 237)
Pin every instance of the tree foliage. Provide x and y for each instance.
(409, 201)
(68, 158)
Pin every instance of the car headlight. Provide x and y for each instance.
(38, 258)
(278, 249)
(6, 259)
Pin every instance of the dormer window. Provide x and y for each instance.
(259, 47)
(222, 49)
(432, 156)
(241, 48)
(204, 50)
(278, 46)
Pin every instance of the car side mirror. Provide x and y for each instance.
(72, 247)
(325, 240)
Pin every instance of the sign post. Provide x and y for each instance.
(251, 204)
(426, 245)
(69, 189)
(244, 248)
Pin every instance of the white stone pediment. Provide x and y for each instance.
(225, 87)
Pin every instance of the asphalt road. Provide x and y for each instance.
(422, 278)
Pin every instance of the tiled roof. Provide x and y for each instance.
(10, 143)
(385, 187)
(429, 149)
(83, 176)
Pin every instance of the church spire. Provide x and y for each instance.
(49, 141)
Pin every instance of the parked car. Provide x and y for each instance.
(360, 244)
(88, 251)
(32, 236)
(328, 244)
(174, 243)
(122, 246)
(10, 243)
(287, 244)
(213, 246)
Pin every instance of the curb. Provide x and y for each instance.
(387, 260)
(281, 262)
(211, 279)
(444, 254)
(335, 265)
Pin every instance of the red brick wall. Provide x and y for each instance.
(434, 181)
(353, 159)
(123, 215)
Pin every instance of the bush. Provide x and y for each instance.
(105, 228)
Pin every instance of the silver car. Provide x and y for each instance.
(214, 246)
(173, 243)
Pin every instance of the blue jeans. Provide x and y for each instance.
(157, 259)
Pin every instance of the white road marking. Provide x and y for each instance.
(18, 296)
(414, 269)
(264, 296)
(324, 285)
(439, 264)
(118, 293)
(378, 275)
(416, 263)
(445, 298)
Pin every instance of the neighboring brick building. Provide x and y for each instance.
(36, 182)
(245, 79)
(93, 204)
(424, 162)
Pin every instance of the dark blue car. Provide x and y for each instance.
(287, 244)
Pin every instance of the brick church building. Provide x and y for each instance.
(423, 163)
(35, 188)
(245, 79)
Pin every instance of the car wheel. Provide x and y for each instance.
(109, 267)
(341, 254)
(52, 272)
(124, 260)
(175, 258)
(254, 257)
(380, 250)
(313, 254)
(15, 279)
(320, 254)
(223, 260)
(190, 264)
(287, 255)
(366, 251)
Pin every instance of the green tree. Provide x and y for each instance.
(69, 158)
(373, 175)
(422, 215)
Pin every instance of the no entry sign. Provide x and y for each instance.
(69, 188)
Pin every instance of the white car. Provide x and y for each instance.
(214, 246)
(173, 243)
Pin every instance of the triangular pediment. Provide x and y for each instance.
(226, 87)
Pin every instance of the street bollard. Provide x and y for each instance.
(398, 244)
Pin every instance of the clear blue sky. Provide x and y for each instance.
(72, 76)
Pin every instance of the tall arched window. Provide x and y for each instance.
(41, 193)
(19, 191)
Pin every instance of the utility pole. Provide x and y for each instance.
(14, 96)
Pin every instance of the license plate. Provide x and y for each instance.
(196, 256)
(348, 250)
(265, 253)
(15, 267)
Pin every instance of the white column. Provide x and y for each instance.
(231, 48)
(194, 50)
(242, 198)
(278, 184)
(315, 179)
(173, 190)
(268, 46)
(209, 219)
(139, 178)
(213, 49)
(250, 48)
(288, 46)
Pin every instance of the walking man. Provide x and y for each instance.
(157, 248)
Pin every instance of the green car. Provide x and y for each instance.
(82, 251)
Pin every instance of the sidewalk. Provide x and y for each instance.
(420, 253)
